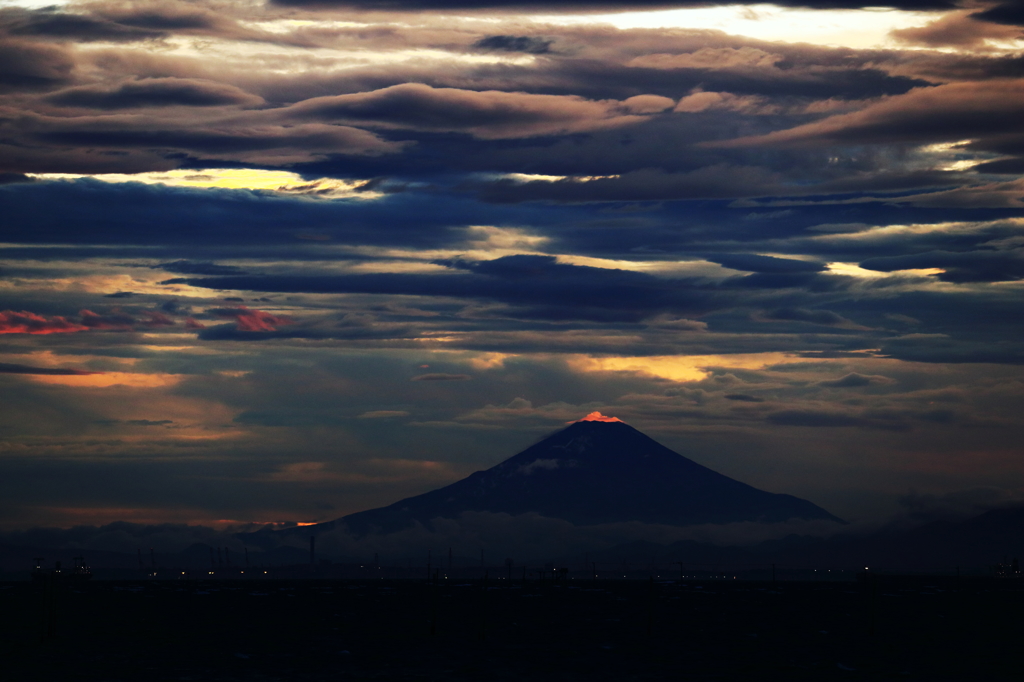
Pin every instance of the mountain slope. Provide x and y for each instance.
(595, 472)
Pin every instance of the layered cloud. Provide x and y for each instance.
(488, 115)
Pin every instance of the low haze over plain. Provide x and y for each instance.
(268, 261)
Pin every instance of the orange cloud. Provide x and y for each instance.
(24, 322)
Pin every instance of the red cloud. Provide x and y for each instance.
(250, 320)
(24, 322)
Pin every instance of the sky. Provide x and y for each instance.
(282, 261)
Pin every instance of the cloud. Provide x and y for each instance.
(489, 114)
(969, 266)
(526, 209)
(828, 419)
(947, 112)
(710, 58)
(259, 142)
(120, 23)
(251, 320)
(505, 43)
(1010, 13)
(155, 92)
(821, 317)
(710, 101)
(855, 380)
(538, 286)
(957, 29)
(186, 267)
(383, 414)
(8, 368)
(439, 376)
(53, 24)
(551, 6)
(768, 264)
(25, 322)
(26, 65)
(957, 505)
(719, 181)
(115, 319)
(743, 397)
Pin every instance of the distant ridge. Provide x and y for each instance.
(598, 470)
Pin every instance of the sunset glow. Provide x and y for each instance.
(296, 259)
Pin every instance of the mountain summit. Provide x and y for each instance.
(597, 470)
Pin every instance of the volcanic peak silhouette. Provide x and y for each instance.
(595, 472)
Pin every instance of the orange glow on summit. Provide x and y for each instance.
(598, 417)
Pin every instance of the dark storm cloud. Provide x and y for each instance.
(527, 44)
(88, 212)
(1012, 166)
(490, 102)
(490, 114)
(441, 377)
(578, 292)
(155, 92)
(185, 267)
(1011, 13)
(821, 317)
(115, 22)
(52, 23)
(940, 348)
(267, 141)
(26, 65)
(949, 112)
(251, 328)
(8, 368)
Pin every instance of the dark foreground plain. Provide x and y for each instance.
(920, 629)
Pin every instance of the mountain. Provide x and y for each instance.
(598, 470)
